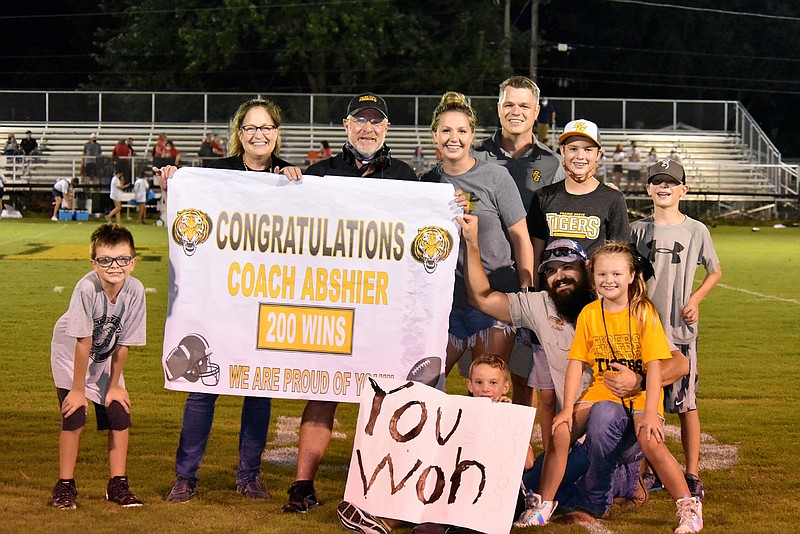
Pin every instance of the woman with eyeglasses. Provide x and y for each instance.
(507, 253)
(254, 145)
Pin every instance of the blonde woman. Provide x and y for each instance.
(503, 234)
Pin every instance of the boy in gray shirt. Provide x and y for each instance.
(676, 245)
(106, 315)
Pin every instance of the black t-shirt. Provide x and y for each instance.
(589, 219)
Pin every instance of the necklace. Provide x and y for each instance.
(267, 168)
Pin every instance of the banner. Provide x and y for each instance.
(421, 455)
(304, 289)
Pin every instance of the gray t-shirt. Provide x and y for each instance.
(499, 207)
(675, 252)
(537, 312)
(91, 314)
(539, 167)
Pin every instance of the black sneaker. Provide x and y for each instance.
(695, 486)
(118, 492)
(252, 489)
(64, 494)
(302, 497)
(182, 490)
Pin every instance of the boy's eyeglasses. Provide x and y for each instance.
(562, 252)
(122, 261)
(669, 181)
(266, 129)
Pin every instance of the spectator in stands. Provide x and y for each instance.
(63, 193)
(118, 185)
(209, 149)
(122, 157)
(364, 154)
(652, 157)
(546, 119)
(532, 165)
(618, 160)
(634, 156)
(674, 155)
(28, 147)
(418, 161)
(173, 155)
(91, 151)
(11, 148)
(324, 152)
(160, 148)
(254, 142)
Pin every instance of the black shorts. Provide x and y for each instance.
(57, 193)
(100, 412)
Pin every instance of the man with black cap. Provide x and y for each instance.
(363, 155)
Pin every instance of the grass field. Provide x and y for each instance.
(750, 399)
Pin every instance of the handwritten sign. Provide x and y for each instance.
(421, 455)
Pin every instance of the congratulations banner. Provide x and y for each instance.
(423, 456)
(305, 289)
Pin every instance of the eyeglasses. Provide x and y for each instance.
(562, 252)
(266, 129)
(362, 121)
(122, 261)
(658, 180)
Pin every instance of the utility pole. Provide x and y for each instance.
(507, 37)
(534, 58)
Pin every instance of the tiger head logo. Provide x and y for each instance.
(431, 246)
(191, 228)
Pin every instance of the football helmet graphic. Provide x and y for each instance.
(191, 359)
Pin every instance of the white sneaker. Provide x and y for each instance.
(690, 512)
(54, 218)
(537, 512)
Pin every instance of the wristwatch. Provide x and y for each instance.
(529, 289)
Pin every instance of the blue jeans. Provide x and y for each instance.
(198, 414)
(603, 467)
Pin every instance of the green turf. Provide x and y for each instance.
(749, 398)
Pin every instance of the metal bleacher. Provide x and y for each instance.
(717, 163)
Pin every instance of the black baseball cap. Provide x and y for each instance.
(367, 101)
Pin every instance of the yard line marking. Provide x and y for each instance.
(58, 289)
(760, 295)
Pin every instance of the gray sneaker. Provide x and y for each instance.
(64, 494)
(252, 489)
(182, 491)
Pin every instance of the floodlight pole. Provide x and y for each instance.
(534, 56)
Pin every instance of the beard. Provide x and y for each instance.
(570, 302)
